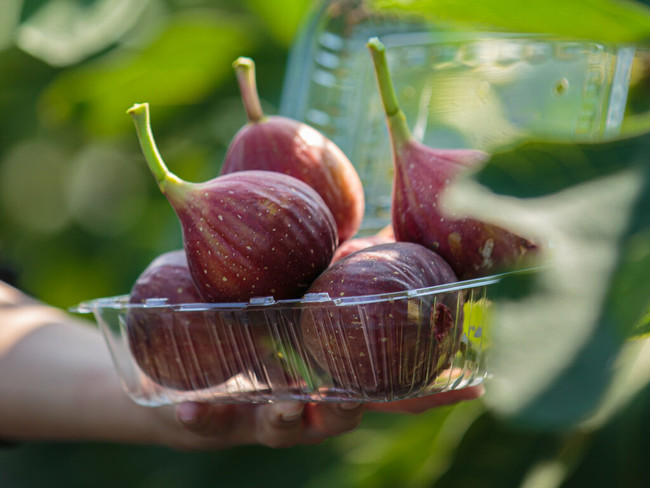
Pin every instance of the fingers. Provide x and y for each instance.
(283, 425)
(210, 426)
(419, 405)
(278, 425)
(218, 426)
(204, 419)
(332, 419)
(287, 425)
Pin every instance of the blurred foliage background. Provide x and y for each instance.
(80, 217)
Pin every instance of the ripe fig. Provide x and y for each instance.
(379, 346)
(181, 350)
(246, 234)
(358, 243)
(472, 247)
(277, 143)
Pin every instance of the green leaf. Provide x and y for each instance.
(613, 442)
(65, 32)
(642, 330)
(409, 452)
(538, 168)
(9, 18)
(621, 21)
(632, 376)
(554, 344)
(493, 453)
(281, 19)
(189, 58)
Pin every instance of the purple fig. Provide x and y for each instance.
(176, 349)
(381, 346)
(276, 143)
(357, 243)
(472, 247)
(246, 234)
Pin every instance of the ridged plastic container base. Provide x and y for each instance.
(374, 348)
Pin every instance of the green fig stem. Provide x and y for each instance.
(396, 119)
(164, 177)
(245, 71)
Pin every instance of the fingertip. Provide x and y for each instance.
(349, 406)
(190, 414)
(287, 413)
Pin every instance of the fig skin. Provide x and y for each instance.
(390, 348)
(357, 243)
(276, 143)
(472, 247)
(247, 234)
(180, 350)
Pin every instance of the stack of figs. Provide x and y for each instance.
(280, 221)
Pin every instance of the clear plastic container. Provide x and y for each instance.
(372, 348)
(457, 89)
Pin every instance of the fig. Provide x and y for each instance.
(276, 143)
(379, 346)
(358, 243)
(177, 349)
(472, 247)
(248, 234)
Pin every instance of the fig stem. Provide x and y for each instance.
(245, 71)
(140, 114)
(397, 124)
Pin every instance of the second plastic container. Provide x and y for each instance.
(457, 89)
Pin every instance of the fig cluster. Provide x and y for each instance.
(280, 221)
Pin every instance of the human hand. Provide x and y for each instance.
(288, 424)
(278, 425)
(422, 404)
(45, 350)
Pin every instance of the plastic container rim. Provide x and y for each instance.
(121, 301)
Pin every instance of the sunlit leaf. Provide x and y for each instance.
(538, 168)
(191, 56)
(281, 18)
(9, 18)
(605, 20)
(553, 346)
(67, 31)
(643, 327)
(612, 443)
(413, 452)
(494, 454)
(632, 375)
